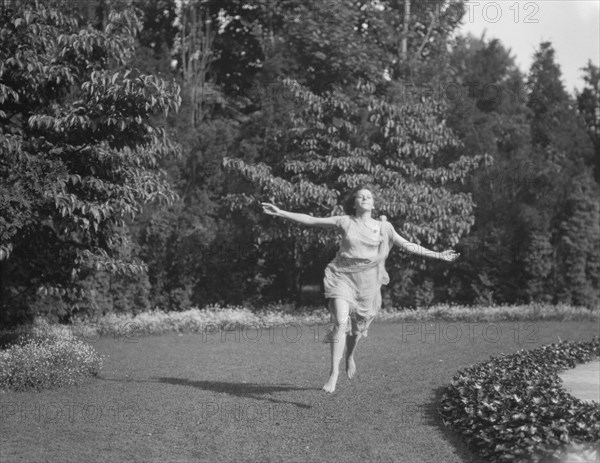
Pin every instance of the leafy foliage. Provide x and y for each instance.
(335, 143)
(304, 99)
(80, 154)
(513, 408)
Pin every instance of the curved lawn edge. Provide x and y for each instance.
(514, 407)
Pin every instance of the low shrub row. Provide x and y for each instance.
(192, 320)
(514, 408)
(529, 312)
(196, 320)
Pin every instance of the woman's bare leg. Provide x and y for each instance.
(351, 342)
(341, 311)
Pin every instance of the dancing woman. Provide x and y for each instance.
(353, 279)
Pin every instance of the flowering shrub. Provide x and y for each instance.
(47, 356)
(195, 320)
(534, 311)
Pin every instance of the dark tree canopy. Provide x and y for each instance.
(79, 151)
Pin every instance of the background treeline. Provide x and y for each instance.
(296, 102)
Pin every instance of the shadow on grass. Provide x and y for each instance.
(435, 419)
(243, 390)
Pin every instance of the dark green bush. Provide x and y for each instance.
(514, 408)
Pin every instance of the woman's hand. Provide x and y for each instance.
(449, 255)
(271, 209)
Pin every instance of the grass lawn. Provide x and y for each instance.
(236, 396)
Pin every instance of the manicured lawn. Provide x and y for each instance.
(207, 398)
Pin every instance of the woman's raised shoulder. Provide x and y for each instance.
(387, 225)
(343, 221)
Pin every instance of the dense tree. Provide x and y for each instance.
(159, 31)
(405, 151)
(588, 102)
(563, 199)
(578, 266)
(254, 46)
(304, 99)
(555, 126)
(515, 251)
(314, 50)
(535, 199)
(488, 114)
(79, 153)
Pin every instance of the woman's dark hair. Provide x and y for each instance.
(351, 197)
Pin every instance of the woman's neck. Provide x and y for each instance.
(363, 216)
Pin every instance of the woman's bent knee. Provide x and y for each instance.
(341, 325)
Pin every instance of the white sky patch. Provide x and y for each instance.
(573, 27)
(588, 10)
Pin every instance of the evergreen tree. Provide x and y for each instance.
(559, 205)
(489, 116)
(588, 102)
(578, 269)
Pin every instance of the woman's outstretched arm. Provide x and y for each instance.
(304, 219)
(448, 255)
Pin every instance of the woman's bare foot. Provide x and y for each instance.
(330, 384)
(350, 367)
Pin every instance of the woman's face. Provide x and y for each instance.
(363, 201)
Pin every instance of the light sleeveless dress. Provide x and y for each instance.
(358, 271)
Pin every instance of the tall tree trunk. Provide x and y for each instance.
(404, 49)
(197, 38)
(3, 275)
